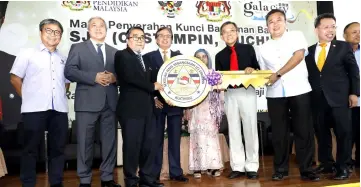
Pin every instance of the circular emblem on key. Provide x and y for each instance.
(185, 81)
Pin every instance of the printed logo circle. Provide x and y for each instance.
(185, 81)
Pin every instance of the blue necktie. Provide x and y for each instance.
(100, 52)
(139, 56)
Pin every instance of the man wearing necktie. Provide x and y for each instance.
(135, 111)
(91, 65)
(163, 111)
(335, 81)
(240, 103)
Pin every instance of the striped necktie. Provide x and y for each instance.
(140, 59)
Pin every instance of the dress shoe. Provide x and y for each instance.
(252, 175)
(180, 178)
(324, 169)
(84, 185)
(109, 184)
(341, 175)
(150, 184)
(278, 176)
(57, 185)
(236, 174)
(310, 176)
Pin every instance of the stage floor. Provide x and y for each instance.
(265, 173)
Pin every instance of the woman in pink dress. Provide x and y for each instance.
(205, 152)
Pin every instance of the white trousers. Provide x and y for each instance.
(241, 104)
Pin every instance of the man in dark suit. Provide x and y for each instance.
(162, 110)
(240, 103)
(135, 110)
(91, 65)
(335, 81)
(11, 101)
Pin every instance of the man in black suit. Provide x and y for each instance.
(11, 101)
(162, 110)
(335, 81)
(240, 103)
(135, 110)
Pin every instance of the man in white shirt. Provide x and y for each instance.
(288, 90)
(38, 77)
(335, 80)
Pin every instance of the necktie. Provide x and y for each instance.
(165, 57)
(234, 61)
(322, 57)
(140, 59)
(100, 52)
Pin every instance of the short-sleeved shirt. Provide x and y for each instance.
(274, 54)
(43, 86)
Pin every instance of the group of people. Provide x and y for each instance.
(309, 83)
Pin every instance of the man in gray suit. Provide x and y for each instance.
(91, 65)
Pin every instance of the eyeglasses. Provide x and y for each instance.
(137, 38)
(51, 31)
(165, 36)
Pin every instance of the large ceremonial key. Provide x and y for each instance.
(237, 78)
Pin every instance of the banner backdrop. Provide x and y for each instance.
(195, 24)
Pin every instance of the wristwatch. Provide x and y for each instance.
(278, 74)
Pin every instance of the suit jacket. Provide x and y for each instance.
(135, 86)
(246, 57)
(156, 61)
(339, 76)
(82, 66)
(11, 101)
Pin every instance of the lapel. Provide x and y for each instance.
(136, 62)
(158, 58)
(330, 52)
(94, 52)
(108, 54)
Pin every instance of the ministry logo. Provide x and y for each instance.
(214, 10)
(170, 8)
(76, 5)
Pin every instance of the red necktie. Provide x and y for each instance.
(234, 61)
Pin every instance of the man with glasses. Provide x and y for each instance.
(38, 77)
(135, 111)
(163, 111)
(240, 103)
(335, 80)
(91, 65)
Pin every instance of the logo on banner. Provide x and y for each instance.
(214, 10)
(170, 8)
(184, 80)
(76, 5)
(258, 10)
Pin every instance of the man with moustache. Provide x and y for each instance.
(288, 92)
(240, 103)
(138, 124)
(162, 110)
(38, 78)
(335, 80)
(91, 65)
(352, 36)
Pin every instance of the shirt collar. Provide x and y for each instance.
(42, 47)
(161, 51)
(327, 44)
(95, 43)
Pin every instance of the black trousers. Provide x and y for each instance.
(35, 124)
(138, 149)
(356, 133)
(323, 115)
(278, 110)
